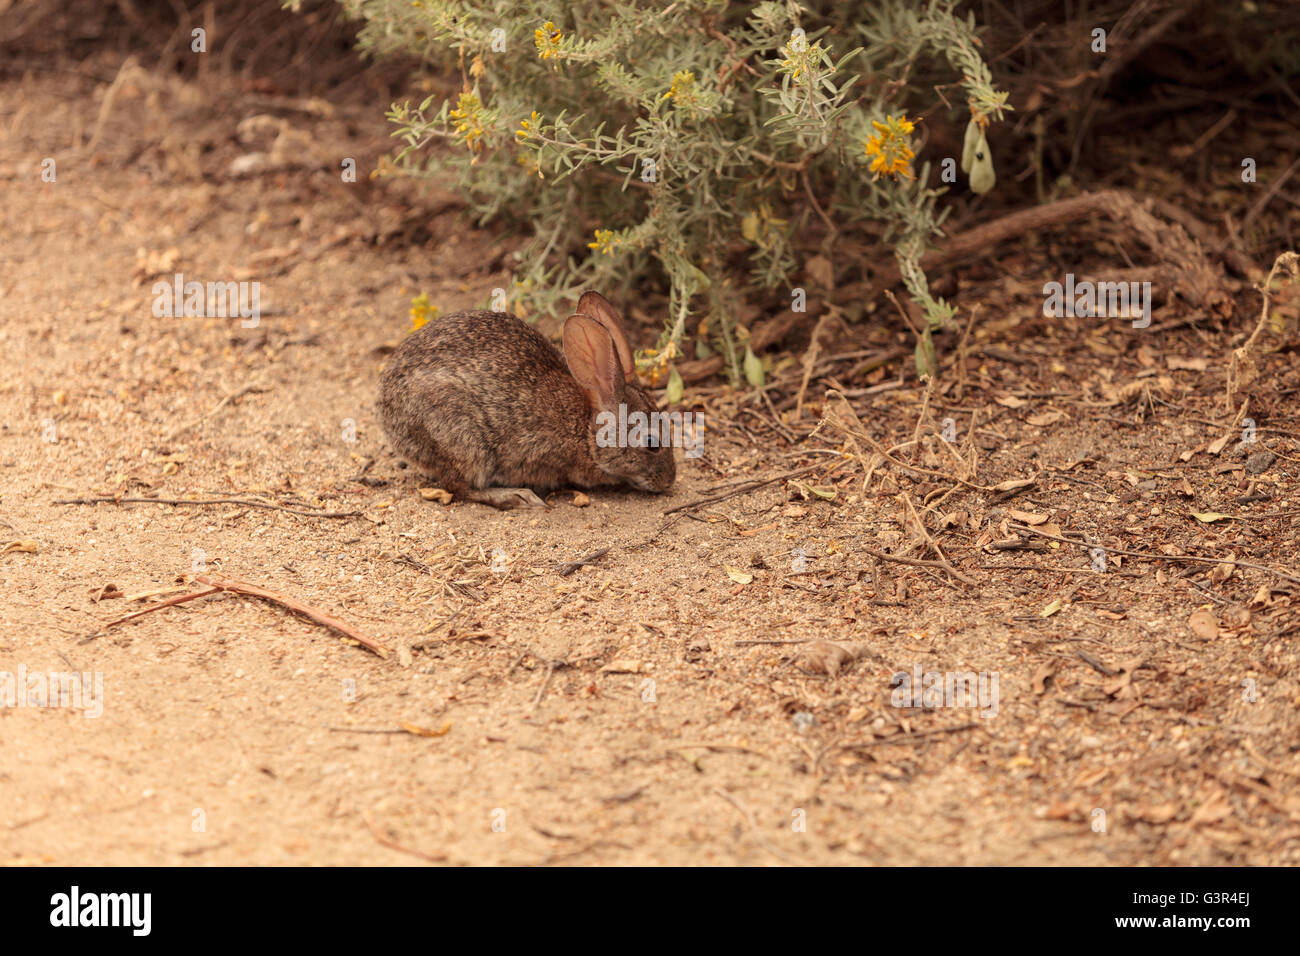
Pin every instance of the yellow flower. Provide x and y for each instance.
(467, 118)
(527, 127)
(422, 311)
(547, 38)
(799, 56)
(682, 89)
(653, 364)
(890, 149)
(605, 242)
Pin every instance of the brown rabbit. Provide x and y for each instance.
(485, 405)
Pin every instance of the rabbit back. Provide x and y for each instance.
(479, 399)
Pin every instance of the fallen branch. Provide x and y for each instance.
(1196, 280)
(251, 590)
(109, 499)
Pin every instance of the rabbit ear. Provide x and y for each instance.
(592, 358)
(596, 306)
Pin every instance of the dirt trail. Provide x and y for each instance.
(611, 716)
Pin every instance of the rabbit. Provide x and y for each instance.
(486, 406)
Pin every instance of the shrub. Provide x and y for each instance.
(711, 149)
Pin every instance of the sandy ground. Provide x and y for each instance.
(615, 715)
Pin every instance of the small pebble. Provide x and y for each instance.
(1258, 462)
(804, 721)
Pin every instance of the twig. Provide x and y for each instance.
(109, 499)
(179, 599)
(920, 563)
(807, 188)
(130, 68)
(550, 672)
(753, 826)
(1153, 556)
(565, 568)
(650, 540)
(790, 436)
(394, 845)
(1096, 665)
(810, 359)
(1263, 200)
(905, 738)
(230, 397)
(929, 539)
(252, 590)
(718, 748)
(1289, 262)
(745, 489)
(884, 453)
(367, 730)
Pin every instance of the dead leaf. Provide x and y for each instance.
(1177, 362)
(1114, 686)
(1208, 517)
(1164, 813)
(25, 546)
(1026, 517)
(148, 264)
(425, 731)
(1121, 708)
(1046, 418)
(436, 494)
(819, 269)
(622, 665)
(823, 657)
(1014, 484)
(1215, 809)
(1090, 778)
(953, 519)
(1222, 571)
(737, 575)
(580, 500)
(1061, 810)
(1204, 624)
(1042, 676)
